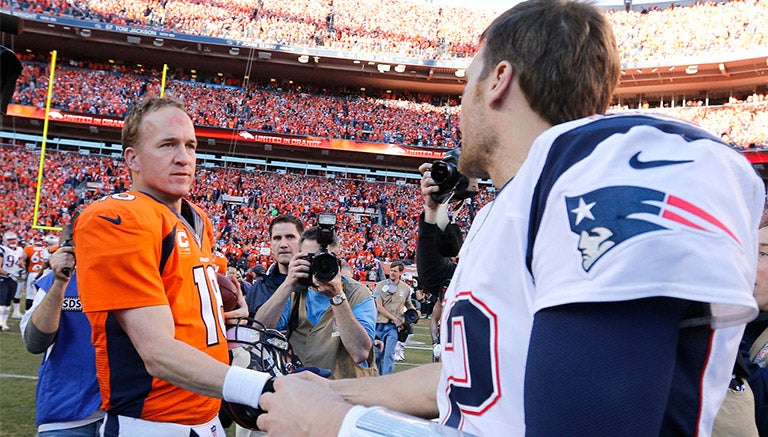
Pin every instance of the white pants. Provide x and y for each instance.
(132, 427)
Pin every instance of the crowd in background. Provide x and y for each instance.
(225, 102)
(423, 29)
(291, 108)
(384, 230)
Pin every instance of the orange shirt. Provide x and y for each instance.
(133, 251)
(36, 255)
(221, 262)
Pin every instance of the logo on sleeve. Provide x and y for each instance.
(637, 164)
(606, 217)
(116, 220)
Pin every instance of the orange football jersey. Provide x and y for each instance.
(36, 255)
(134, 251)
(221, 262)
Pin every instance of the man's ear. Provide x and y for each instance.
(130, 155)
(501, 82)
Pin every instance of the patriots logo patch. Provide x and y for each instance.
(606, 217)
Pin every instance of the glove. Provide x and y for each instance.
(436, 351)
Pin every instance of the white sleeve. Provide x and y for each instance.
(28, 315)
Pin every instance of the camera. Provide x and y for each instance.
(453, 185)
(323, 265)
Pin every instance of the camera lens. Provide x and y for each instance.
(442, 172)
(325, 267)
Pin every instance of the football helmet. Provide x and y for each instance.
(256, 347)
(51, 240)
(10, 239)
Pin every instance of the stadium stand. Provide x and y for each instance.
(383, 229)
(419, 28)
(402, 118)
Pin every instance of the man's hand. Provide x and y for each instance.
(242, 306)
(60, 261)
(332, 288)
(321, 409)
(298, 269)
(428, 186)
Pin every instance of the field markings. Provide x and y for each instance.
(6, 375)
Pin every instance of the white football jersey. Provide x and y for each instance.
(609, 208)
(11, 258)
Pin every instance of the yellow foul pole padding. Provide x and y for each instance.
(162, 83)
(42, 149)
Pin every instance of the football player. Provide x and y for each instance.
(605, 289)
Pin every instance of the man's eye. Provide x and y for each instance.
(763, 253)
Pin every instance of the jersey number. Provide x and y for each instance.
(472, 337)
(211, 308)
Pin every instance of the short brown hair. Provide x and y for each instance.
(395, 264)
(562, 51)
(286, 219)
(134, 118)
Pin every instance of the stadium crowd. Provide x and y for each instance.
(376, 220)
(295, 109)
(423, 29)
(400, 117)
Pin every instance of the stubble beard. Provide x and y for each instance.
(478, 146)
(476, 156)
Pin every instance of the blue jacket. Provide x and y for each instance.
(67, 388)
(263, 288)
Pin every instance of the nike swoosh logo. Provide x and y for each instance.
(637, 164)
(116, 220)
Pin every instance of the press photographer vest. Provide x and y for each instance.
(393, 298)
(317, 345)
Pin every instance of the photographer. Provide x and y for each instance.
(68, 400)
(439, 241)
(392, 296)
(334, 315)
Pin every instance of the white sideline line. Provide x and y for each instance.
(6, 375)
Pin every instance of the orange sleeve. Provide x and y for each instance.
(117, 247)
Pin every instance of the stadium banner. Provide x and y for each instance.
(240, 136)
(242, 200)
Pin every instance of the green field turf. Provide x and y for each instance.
(18, 377)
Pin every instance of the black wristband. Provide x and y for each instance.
(269, 386)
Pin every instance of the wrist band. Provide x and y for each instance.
(350, 421)
(244, 386)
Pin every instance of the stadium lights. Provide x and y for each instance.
(400, 68)
(234, 51)
(158, 42)
(460, 73)
(303, 59)
(383, 68)
(85, 33)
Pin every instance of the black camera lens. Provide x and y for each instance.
(443, 172)
(325, 267)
